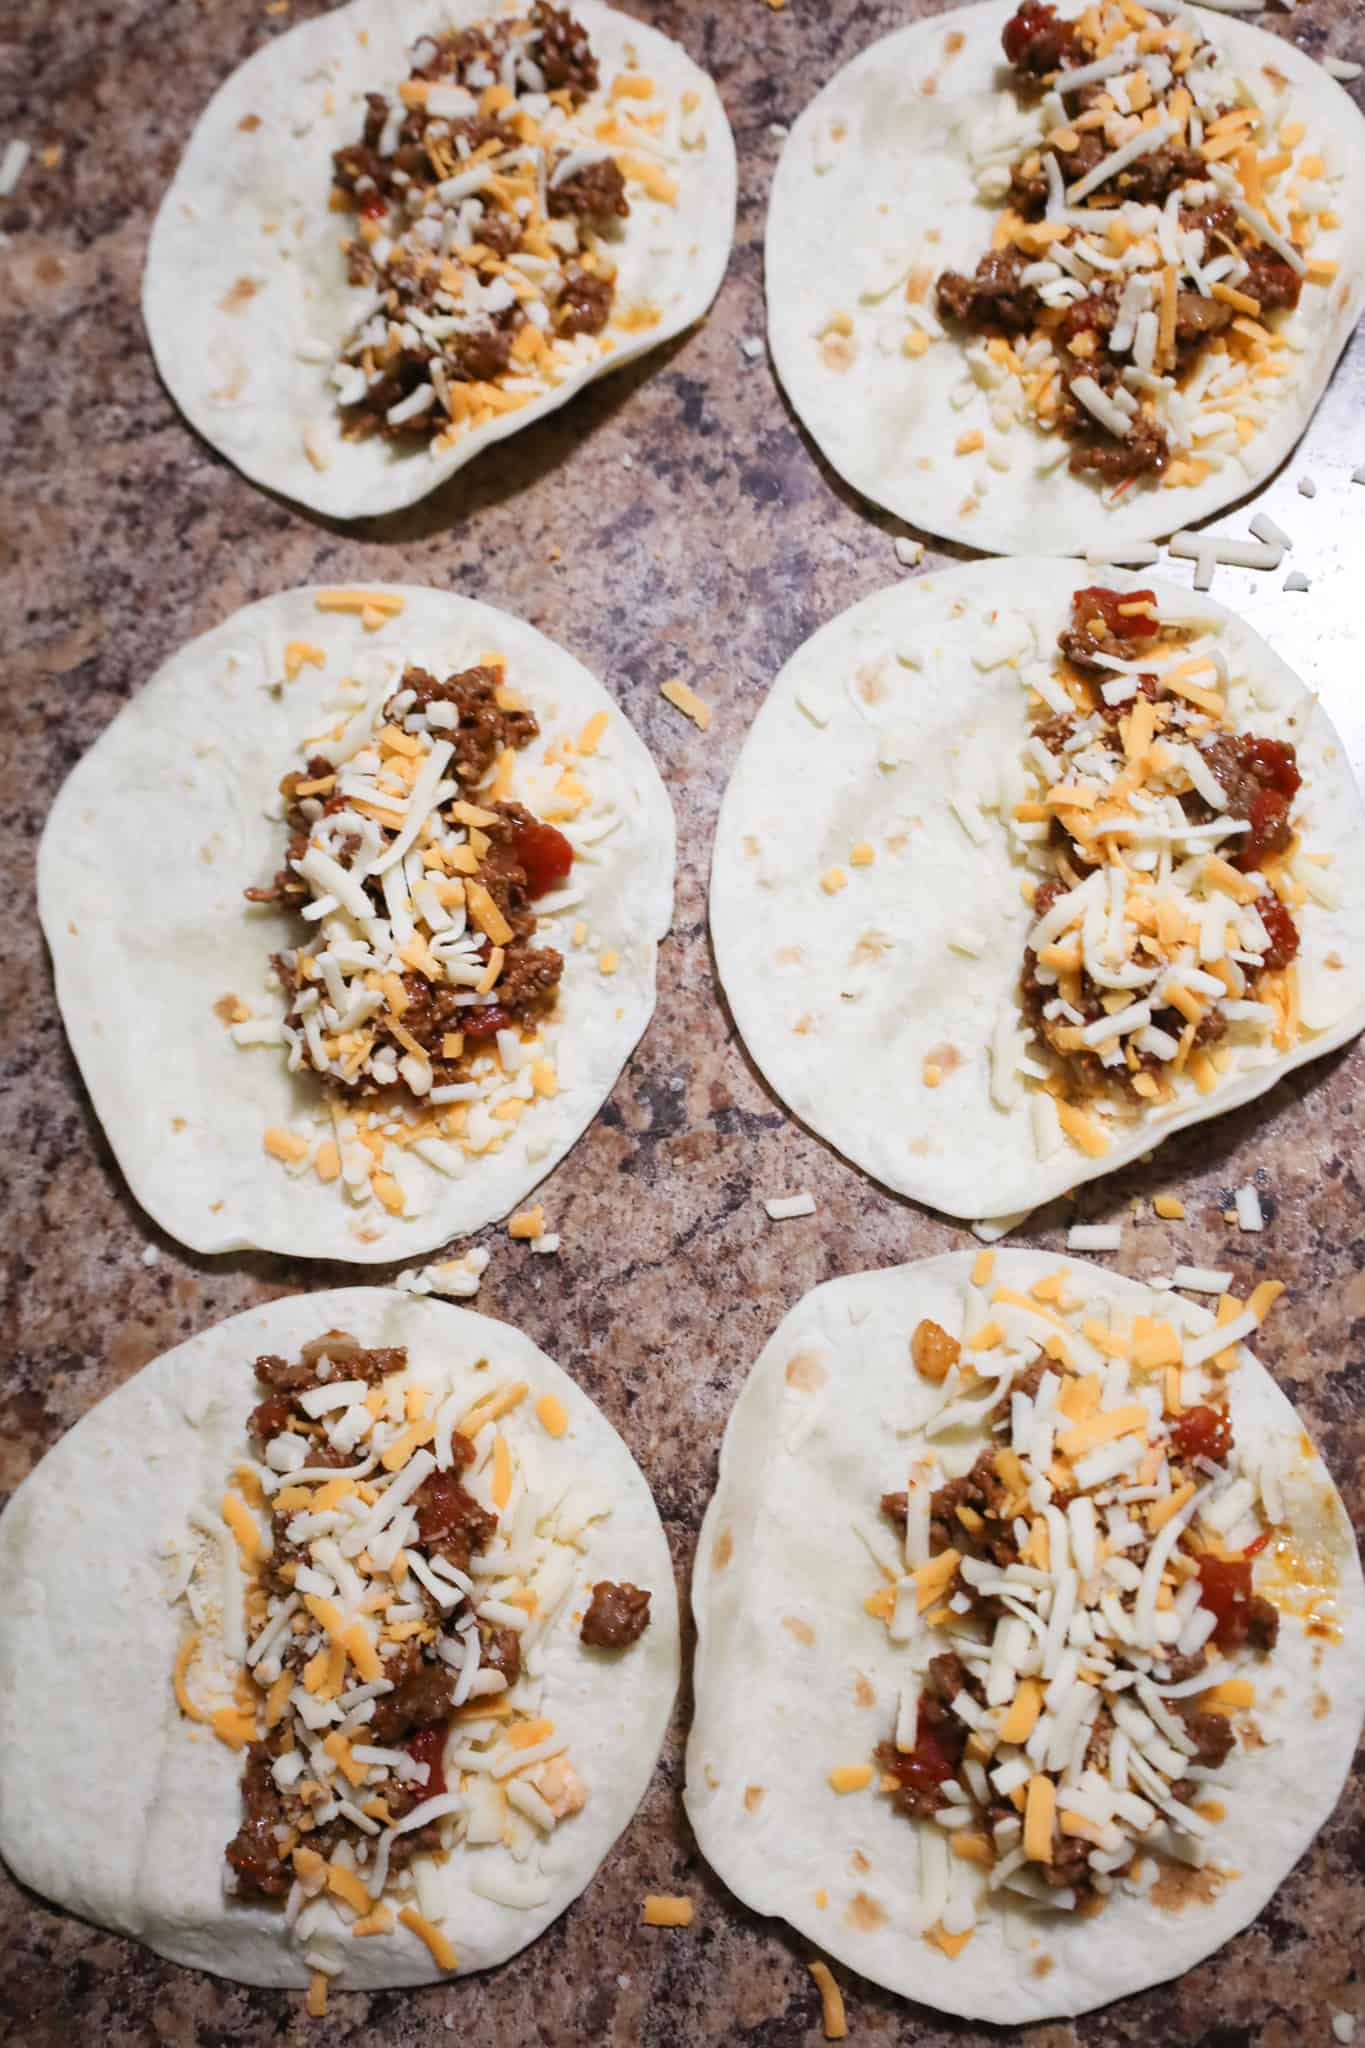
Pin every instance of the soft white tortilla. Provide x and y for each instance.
(88, 1640)
(809, 1451)
(141, 869)
(808, 784)
(901, 172)
(252, 203)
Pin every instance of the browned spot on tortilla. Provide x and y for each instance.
(870, 683)
(932, 235)
(249, 123)
(725, 1544)
(804, 1026)
(226, 1008)
(802, 1630)
(858, 1861)
(1277, 78)
(838, 130)
(228, 393)
(177, 1123)
(953, 43)
(805, 1371)
(788, 956)
(753, 1797)
(929, 86)
(864, 1692)
(1091, 1906)
(968, 506)
(839, 352)
(1251, 1735)
(944, 1056)
(1322, 1706)
(1043, 1966)
(920, 1148)
(750, 845)
(1212, 1809)
(1179, 1885)
(238, 295)
(896, 842)
(924, 462)
(871, 945)
(918, 283)
(864, 1914)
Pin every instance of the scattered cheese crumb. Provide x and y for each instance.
(969, 442)
(665, 1909)
(1093, 1237)
(456, 1277)
(528, 1223)
(1343, 2023)
(851, 1777)
(831, 2002)
(751, 348)
(1307, 487)
(1169, 1207)
(608, 962)
(150, 1255)
(833, 880)
(549, 1242)
(1248, 1209)
(1296, 580)
(862, 855)
(1342, 68)
(780, 1207)
(909, 553)
(687, 701)
(932, 1075)
(13, 165)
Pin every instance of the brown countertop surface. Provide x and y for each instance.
(697, 535)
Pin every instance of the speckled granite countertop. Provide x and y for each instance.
(671, 521)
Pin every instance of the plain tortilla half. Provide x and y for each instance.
(879, 722)
(88, 1639)
(786, 1657)
(879, 163)
(244, 270)
(174, 812)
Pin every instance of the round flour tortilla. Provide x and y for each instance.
(245, 296)
(793, 1676)
(89, 1637)
(877, 181)
(893, 725)
(175, 811)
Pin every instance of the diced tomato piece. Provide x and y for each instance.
(1268, 812)
(1225, 1589)
(481, 1020)
(1124, 625)
(425, 1746)
(546, 856)
(1255, 1549)
(1273, 762)
(1203, 1433)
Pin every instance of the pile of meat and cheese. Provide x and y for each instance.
(375, 1592)
(1152, 245)
(417, 994)
(1082, 1629)
(1166, 877)
(488, 193)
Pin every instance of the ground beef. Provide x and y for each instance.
(616, 1615)
(984, 1493)
(1210, 1733)
(1261, 779)
(254, 1851)
(484, 353)
(1263, 1625)
(529, 975)
(1153, 177)
(500, 1650)
(597, 191)
(348, 1360)
(1070, 1865)
(421, 1696)
(584, 304)
(450, 1520)
(564, 53)
(1214, 219)
(1196, 318)
(1143, 451)
(484, 726)
(993, 298)
(1272, 281)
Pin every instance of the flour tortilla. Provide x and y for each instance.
(140, 876)
(808, 785)
(251, 203)
(88, 1639)
(821, 1428)
(902, 170)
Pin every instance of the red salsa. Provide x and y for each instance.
(939, 1742)
(483, 1019)
(425, 1746)
(1225, 1589)
(546, 856)
(1087, 604)
(1203, 1433)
